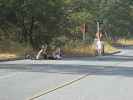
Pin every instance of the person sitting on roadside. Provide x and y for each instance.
(42, 53)
(57, 53)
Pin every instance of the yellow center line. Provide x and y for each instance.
(62, 86)
(57, 88)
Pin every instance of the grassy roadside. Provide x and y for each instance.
(12, 50)
(109, 49)
(71, 49)
(88, 50)
(6, 56)
(123, 41)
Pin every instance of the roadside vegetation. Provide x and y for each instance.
(124, 41)
(25, 25)
(85, 49)
(77, 48)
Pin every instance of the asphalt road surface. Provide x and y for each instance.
(85, 78)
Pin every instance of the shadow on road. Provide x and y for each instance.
(67, 69)
(119, 58)
(119, 46)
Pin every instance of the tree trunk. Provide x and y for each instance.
(31, 40)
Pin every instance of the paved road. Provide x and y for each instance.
(86, 78)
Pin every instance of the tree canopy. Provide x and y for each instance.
(42, 21)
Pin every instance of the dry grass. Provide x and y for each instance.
(88, 50)
(12, 50)
(110, 49)
(82, 50)
(4, 56)
(124, 41)
(78, 49)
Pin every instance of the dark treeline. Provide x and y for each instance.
(37, 22)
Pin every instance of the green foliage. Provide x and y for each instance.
(36, 22)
